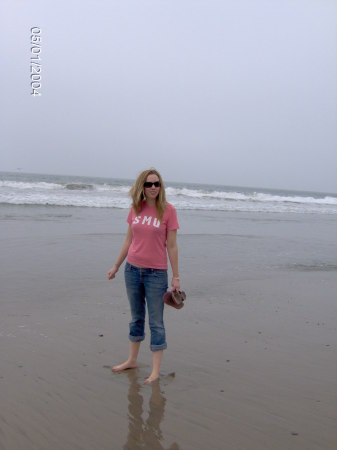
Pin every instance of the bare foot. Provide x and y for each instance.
(151, 378)
(124, 366)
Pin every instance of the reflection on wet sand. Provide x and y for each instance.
(145, 434)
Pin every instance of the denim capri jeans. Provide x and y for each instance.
(145, 285)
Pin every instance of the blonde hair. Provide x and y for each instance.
(137, 193)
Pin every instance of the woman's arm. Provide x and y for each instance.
(172, 251)
(123, 253)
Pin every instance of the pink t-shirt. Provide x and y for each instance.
(149, 235)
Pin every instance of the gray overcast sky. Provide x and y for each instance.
(235, 92)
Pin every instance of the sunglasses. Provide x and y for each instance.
(149, 184)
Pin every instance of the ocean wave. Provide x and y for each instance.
(124, 203)
(71, 201)
(251, 197)
(22, 185)
(42, 185)
(111, 188)
(88, 192)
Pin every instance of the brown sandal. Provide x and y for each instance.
(175, 299)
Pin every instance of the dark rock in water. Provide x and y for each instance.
(101, 335)
(79, 186)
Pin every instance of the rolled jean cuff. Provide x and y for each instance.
(156, 348)
(136, 338)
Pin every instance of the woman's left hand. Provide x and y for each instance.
(175, 284)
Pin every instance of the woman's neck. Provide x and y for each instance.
(150, 202)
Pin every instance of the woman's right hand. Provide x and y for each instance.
(112, 272)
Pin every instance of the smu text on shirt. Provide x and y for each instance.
(146, 220)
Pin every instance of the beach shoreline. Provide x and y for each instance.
(251, 358)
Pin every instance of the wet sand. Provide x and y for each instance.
(251, 359)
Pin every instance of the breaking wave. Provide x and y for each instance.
(52, 190)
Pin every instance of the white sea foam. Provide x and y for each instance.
(101, 194)
(255, 196)
(21, 185)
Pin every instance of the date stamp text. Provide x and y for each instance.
(35, 61)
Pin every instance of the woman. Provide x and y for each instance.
(152, 233)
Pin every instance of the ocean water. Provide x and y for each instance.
(90, 192)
